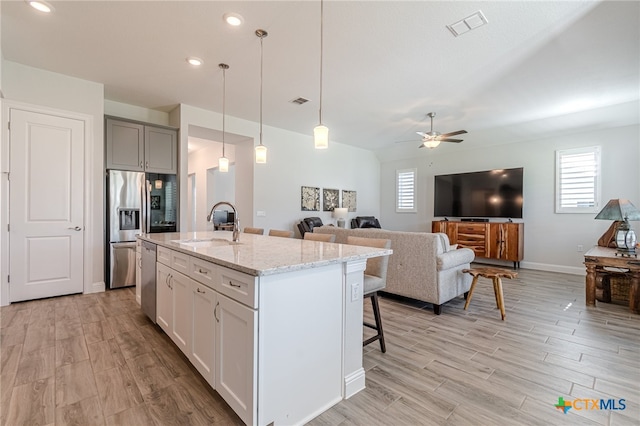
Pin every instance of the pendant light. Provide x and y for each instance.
(223, 162)
(321, 132)
(261, 150)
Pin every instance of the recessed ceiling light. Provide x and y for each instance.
(196, 62)
(40, 5)
(233, 19)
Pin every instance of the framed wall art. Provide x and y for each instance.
(309, 199)
(330, 199)
(349, 200)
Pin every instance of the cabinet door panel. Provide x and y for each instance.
(124, 145)
(161, 150)
(236, 358)
(202, 354)
(181, 309)
(164, 298)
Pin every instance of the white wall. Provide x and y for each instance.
(132, 112)
(200, 162)
(550, 240)
(294, 162)
(274, 188)
(46, 89)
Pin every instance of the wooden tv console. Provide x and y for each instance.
(490, 240)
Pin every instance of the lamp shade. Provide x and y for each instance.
(223, 164)
(261, 154)
(619, 209)
(340, 212)
(321, 137)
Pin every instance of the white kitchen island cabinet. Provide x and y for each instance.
(279, 320)
(203, 343)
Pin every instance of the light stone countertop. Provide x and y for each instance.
(260, 255)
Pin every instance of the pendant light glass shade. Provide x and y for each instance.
(261, 150)
(261, 154)
(223, 162)
(321, 132)
(321, 136)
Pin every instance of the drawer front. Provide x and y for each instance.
(238, 286)
(164, 256)
(474, 228)
(180, 262)
(202, 271)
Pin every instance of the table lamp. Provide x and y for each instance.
(340, 213)
(622, 210)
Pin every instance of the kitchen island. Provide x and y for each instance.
(273, 324)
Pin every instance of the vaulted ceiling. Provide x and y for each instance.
(534, 70)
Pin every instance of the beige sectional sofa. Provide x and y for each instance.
(423, 266)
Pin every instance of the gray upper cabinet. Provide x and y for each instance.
(141, 148)
(160, 150)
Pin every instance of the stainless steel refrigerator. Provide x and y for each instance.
(137, 203)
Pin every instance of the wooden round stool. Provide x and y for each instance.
(496, 275)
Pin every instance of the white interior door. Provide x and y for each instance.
(46, 205)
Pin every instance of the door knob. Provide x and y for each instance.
(76, 228)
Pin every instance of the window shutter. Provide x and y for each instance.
(406, 190)
(578, 180)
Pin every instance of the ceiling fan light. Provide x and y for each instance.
(321, 136)
(261, 154)
(431, 144)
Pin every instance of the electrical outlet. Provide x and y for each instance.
(355, 291)
(580, 248)
(261, 213)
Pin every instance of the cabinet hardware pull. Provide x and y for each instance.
(215, 312)
(75, 228)
(141, 164)
(234, 285)
(200, 291)
(147, 165)
(202, 271)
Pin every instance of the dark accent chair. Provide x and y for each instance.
(307, 224)
(365, 222)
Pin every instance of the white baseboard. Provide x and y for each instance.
(97, 287)
(354, 383)
(573, 270)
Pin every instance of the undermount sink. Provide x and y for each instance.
(206, 242)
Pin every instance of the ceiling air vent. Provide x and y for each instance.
(467, 24)
(299, 101)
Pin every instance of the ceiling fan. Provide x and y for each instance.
(432, 139)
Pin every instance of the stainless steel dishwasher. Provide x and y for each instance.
(148, 280)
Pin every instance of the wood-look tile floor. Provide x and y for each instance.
(96, 359)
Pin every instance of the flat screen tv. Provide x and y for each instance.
(487, 194)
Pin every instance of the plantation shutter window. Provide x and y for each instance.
(578, 180)
(406, 191)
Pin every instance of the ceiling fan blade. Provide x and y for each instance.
(423, 134)
(451, 140)
(422, 145)
(459, 132)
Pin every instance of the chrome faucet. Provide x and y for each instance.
(236, 219)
